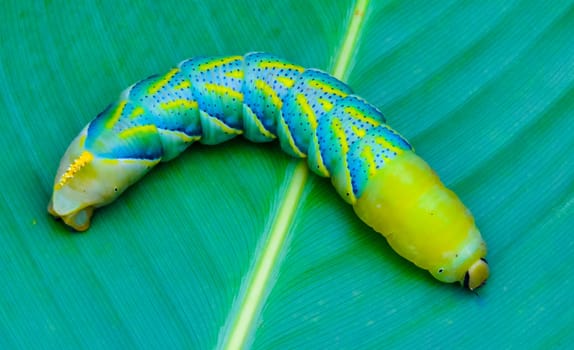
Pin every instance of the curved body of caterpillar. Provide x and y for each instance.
(314, 116)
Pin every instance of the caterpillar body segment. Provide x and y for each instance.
(312, 114)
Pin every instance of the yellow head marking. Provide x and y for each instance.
(80, 162)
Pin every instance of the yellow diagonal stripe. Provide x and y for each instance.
(137, 112)
(386, 144)
(369, 157)
(116, 115)
(357, 114)
(358, 131)
(218, 63)
(155, 87)
(224, 90)
(326, 104)
(306, 108)
(186, 84)
(136, 130)
(237, 74)
(179, 103)
(339, 132)
(268, 91)
(285, 81)
(327, 88)
(280, 65)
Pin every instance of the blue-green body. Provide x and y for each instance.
(258, 96)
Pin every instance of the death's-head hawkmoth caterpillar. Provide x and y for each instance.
(314, 116)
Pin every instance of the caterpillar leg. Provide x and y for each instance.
(424, 221)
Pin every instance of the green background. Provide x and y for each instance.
(483, 89)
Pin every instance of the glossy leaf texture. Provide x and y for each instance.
(483, 90)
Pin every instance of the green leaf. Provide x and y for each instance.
(238, 243)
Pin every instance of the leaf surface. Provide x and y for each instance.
(484, 91)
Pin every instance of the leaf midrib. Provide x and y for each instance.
(239, 325)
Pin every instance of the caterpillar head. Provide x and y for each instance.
(424, 221)
(476, 275)
(86, 181)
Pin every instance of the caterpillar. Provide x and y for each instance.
(312, 114)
